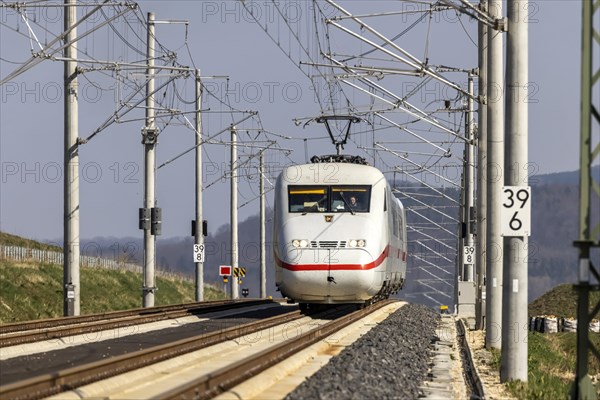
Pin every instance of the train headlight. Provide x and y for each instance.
(357, 243)
(300, 243)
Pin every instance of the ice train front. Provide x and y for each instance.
(331, 233)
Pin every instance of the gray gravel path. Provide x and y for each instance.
(389, 362)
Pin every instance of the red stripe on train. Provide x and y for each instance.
(335, 267)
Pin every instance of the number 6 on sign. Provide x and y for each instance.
(516, 211)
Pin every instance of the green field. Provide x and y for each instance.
(551, 366)
(35, 290)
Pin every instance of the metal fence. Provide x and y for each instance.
(17, 253)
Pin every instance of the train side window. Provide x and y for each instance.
(395, 229)
(384, 199)
(400, 225)
(308, 199)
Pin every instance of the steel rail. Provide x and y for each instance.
(33, 331)
(71, 378)
(217, 382)
(51, 322)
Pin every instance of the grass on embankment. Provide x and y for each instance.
(12, 240)
(551, 366)
(31, 291)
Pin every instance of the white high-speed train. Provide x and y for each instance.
(339, 233)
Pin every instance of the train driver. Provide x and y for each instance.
(355, 204)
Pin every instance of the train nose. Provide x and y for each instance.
(325, 275)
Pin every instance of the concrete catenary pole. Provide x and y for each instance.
(263, 227)
(469, 261)
(199, 238)
(460, 268)
(149, 140)
(514, 294)
(481, 202)
(495, 179)
(72, 288)
(234, 214)
(465, 289)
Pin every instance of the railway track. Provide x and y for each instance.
(49, 384)
(270, 358)
(220, 375)
(214, 383)
(34, 331)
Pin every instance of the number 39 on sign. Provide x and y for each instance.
(516, 211)
(199, 253)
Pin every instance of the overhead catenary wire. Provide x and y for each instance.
(48, 52)
(167, 95)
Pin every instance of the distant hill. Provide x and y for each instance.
(555, 225)
(563, 178)
(560, 301)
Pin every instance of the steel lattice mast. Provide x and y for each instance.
(589, 275)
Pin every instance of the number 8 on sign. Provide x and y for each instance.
(516, 211)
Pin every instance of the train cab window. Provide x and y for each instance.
(347, 198)
(308, 199)
(318, 199)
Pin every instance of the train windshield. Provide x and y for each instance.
(319, 199)
(356, 198)
(305, 199)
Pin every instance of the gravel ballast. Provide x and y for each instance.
(389, 362)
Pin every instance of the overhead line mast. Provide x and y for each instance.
(481, 206)
(72, 287)
(150, 215)
(199, 223)
(234, 213)
(494, 178)
(515, 263)
(589, 236)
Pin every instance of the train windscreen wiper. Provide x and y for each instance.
(346, 203)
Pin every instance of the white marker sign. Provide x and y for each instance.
(468, 255)
(516, 211)
(199, 253)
